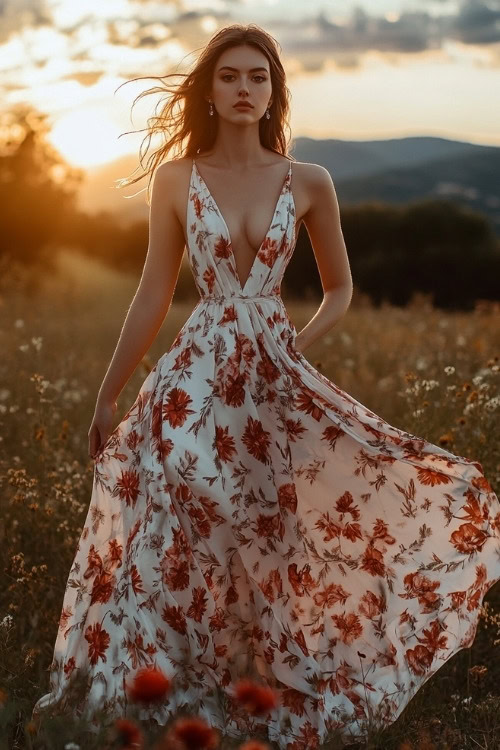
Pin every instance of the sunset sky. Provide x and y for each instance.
(357, 69)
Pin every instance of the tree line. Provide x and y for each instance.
(434, 246)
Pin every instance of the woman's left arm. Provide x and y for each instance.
(322, 221)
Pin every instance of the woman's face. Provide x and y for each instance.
(241, 74)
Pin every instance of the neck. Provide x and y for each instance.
(238, 147)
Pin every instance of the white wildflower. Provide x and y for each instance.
(493, 403)
(430, 384)
(449, 370)
(72, 395)
(421, 363)
(37, 342)
(24, 347)
(7, 622)
(19, 323)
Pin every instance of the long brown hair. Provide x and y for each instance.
(185, 115)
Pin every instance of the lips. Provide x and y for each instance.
(243, 105)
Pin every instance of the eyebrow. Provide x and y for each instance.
(252, 70)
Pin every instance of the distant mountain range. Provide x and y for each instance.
(395, 171)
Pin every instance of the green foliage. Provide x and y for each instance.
(434, 247)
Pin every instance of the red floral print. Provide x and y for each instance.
(98, 640)
(247, 515)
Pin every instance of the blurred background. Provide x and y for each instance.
(399, 100)
(396, 98)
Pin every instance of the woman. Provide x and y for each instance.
(248, 517)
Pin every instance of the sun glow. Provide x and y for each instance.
(87, 138)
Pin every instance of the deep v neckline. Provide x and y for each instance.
(241, 286)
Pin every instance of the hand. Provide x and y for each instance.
(100, 429)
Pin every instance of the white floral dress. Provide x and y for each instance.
(248, 517)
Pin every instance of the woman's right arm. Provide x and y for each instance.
(151, 301)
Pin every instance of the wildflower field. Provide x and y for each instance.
(435, 374)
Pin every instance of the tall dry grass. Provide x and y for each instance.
(432, 373)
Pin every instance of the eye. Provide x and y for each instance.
(224, 77)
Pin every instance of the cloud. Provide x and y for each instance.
(477, 22)
(16, 14)
(140, 33)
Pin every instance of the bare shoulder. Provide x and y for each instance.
(312, 176)
(169, 172)
(171, 186)
(312, 186)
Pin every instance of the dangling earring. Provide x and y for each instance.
(267, 113)
(210, 109)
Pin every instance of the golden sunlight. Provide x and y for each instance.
(87, 137)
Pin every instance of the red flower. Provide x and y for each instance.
(373, 561)
(419, 659)
(468, 538)
(69, 667)
(194, 734)
(304, 402)
(150, 685)
(65, 616)
(418, 585)
(129, 735)
(344, 504)
(102, 587)
(222, 248)
(229, 315)
(175, 409)
(432, 477)
(294, 429)
(330, 595)
(224, 443)
(256, 439)
(349, 625)
(98, 640)
(257, 699)
(254, 745)
(267, 369)
(301, 580)
(287, 497)
(127, 487)
(234, 390)
(371, 605)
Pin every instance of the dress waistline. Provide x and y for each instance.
(238, 298)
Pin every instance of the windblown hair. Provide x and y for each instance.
(184, 123)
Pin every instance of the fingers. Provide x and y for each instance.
(94, 442)
(94, 453)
